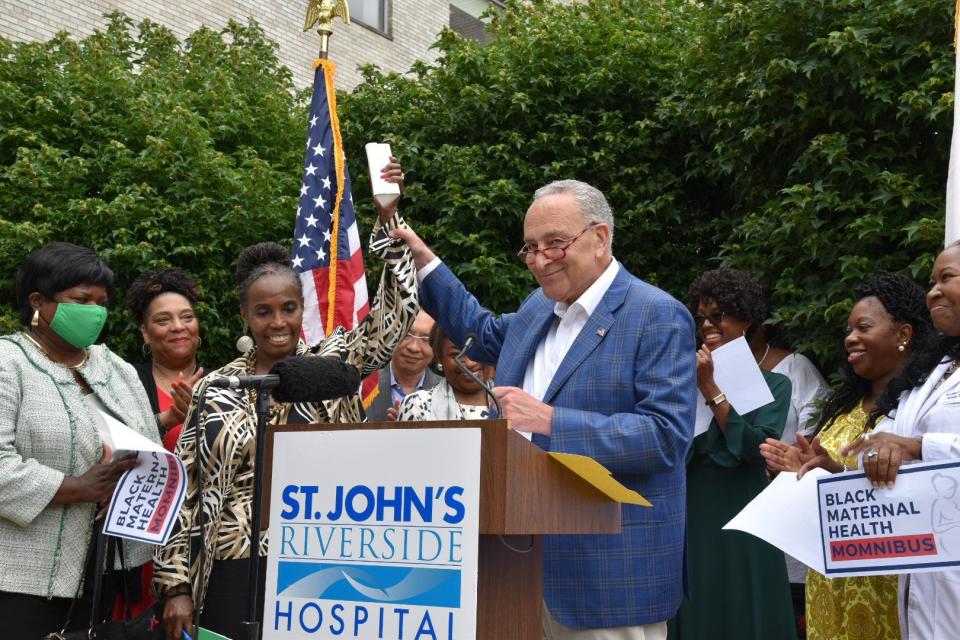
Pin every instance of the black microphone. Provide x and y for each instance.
(266, 381)
(314, 379)
(471, 338)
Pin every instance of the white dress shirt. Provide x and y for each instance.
(563, 332)
(561, 335)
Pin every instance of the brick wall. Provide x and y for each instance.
(414, 26)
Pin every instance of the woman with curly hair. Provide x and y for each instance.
(738, 583)
(887, 324)
(162, 302)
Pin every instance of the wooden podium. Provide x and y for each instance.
(524, 493)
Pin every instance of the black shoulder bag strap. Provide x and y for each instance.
(197, 425)
(93, 548)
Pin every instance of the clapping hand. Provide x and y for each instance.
(819, 458)
(781, 456)
(181, 391)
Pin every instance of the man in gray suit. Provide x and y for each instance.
(407, 371)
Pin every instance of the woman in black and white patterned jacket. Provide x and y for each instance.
(271, 304)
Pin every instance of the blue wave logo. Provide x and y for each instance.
(423, 586)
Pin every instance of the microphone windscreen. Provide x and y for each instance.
(314, 379)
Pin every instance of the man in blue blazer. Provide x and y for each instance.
(600, 363)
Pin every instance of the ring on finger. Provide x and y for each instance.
(871, 454)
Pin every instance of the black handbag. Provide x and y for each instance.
(146, 626)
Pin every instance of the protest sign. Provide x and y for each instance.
(147, 498)
(839, 525)
(914, 526)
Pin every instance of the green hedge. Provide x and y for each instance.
(805, 140)
(154, 153)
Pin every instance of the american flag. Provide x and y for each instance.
(334, 285)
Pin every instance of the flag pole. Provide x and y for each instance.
(321, 13)
(951, 225)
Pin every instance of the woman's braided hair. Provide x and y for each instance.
(905, 301)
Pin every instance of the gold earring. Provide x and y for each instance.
(35, 322)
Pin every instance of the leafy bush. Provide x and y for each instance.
(805, 140)
(562, 91)
(154, 153)
(829, 137)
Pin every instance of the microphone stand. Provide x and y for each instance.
(470, 374)
(252, 623)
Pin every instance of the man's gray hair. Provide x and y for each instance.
(590, 201)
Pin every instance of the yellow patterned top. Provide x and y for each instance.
(844, 430)
(862, 608)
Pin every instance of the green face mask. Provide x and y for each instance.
(79, 324)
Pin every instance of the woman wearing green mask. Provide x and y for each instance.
(54, 466)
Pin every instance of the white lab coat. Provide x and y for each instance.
(930, 602)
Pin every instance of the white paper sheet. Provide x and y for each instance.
(738, 376)
(704, 416)
(786, 515)
(148, 496)
(122, 439)
(378, 156)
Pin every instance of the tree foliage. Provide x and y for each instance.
(562, 91)
(805, 140)
(154, 153)
(831, 143)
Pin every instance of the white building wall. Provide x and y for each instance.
(414, 26)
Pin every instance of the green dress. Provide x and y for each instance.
(738, 583)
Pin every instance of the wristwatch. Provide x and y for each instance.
(719, 399)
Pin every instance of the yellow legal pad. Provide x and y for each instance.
(600, 477)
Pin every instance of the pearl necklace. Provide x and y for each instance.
(765, 354)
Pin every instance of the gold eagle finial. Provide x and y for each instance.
(322, 13)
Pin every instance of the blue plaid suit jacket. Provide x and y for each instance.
(624, 395)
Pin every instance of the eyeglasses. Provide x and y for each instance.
(413, 336)
(714, 318)
(528, 254)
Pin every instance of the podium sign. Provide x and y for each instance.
(373, 534)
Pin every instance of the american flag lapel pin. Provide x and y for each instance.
(601, 332)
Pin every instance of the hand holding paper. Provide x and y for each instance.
(147, 498)
(386, 178)
(736, 374)
(97, 483)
